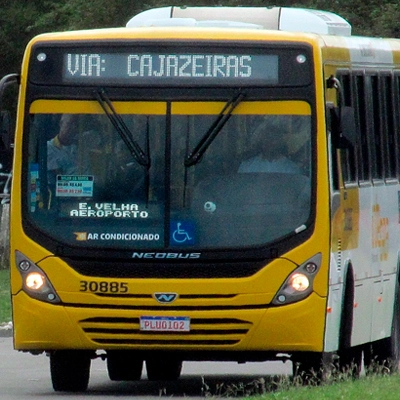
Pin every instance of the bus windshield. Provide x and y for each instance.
(86, 187)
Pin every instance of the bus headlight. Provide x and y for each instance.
(35, 282)
(299, 284)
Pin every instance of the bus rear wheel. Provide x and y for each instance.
(160, 369)
(124, 366)
(70, 370)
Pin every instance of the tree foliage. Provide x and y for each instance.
(20, 20)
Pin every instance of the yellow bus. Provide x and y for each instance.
(206, 184)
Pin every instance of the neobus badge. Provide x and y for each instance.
(165, 297)
(166, 255)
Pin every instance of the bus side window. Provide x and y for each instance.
(389, 125)
(381, 125)
(375, 125)
(356, 163)
(360, 106)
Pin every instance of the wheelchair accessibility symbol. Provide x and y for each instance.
(182, 233)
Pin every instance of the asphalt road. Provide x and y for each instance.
(24, 376)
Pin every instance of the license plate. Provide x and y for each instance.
(165, 324)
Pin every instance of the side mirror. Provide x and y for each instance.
(342, 119)
(7, 103)
(6, 130)
(343, 127)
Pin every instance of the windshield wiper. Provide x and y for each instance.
(126, 135)
(195, 155)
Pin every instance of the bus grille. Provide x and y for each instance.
(204, 332)
(167, 269)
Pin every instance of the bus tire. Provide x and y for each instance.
(350, 358)
(70, 370)
(384, 355)
(311, 368)
(350, 361)
(124, 366)
(163, 369)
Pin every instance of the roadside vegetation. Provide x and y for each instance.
(5, 303)
(380, 387)
(371, 386)
(21, 20)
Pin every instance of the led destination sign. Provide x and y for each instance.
(168, 67)
(91, 64)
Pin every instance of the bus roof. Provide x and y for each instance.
(273, 18)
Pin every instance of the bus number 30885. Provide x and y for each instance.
(103, 287)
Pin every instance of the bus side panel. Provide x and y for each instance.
(365, 228)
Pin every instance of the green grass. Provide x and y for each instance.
(5, 304)
(373, 386)
(382, 387)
